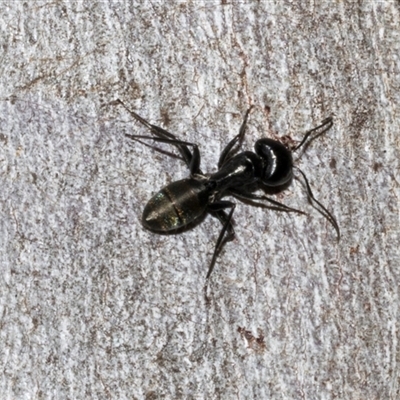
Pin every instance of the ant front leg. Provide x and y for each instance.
(322, 210)
(217, 208)
(163, 134)
(248, 196)
(227, 153)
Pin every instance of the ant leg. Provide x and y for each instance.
(326, 124)
(217, 209)
(250, 197)
(194, 164)
(322, 210)
(238, 139)
(160, 133)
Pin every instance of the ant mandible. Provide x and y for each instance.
(182, 202)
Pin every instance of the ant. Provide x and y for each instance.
(182, 202)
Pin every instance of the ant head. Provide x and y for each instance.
(277, 162)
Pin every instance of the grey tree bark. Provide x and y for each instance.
(94, 306)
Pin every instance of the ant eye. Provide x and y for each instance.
(278, 162)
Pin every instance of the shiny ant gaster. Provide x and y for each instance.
(182, 202)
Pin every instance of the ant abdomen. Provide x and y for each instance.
(176, 205)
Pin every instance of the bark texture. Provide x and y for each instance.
(94, 306)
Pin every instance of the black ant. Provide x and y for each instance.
(182, 202)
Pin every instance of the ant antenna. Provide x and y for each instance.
(326, 125)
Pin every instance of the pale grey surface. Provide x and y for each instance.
(93, 306)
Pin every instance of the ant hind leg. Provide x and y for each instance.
(161, 133)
